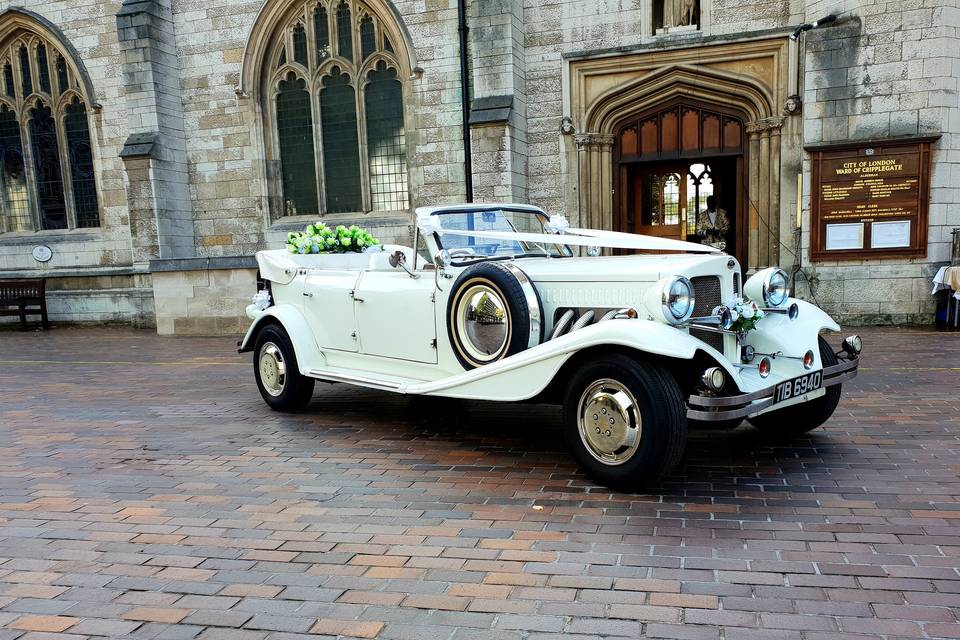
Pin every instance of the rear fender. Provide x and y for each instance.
(297, 328)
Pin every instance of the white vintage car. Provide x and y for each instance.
(494, 302)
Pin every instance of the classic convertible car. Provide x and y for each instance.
(503, 302)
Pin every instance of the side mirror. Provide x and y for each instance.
(399, 259)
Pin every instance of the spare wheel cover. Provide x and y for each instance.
(493, 311)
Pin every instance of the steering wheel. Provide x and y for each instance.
(464, 252)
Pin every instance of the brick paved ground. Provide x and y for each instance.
(147, 492)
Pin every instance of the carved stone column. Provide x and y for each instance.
(763, 247)
(595, 180)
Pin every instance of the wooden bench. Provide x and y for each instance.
(23, 298)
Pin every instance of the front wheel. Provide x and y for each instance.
(625, 421)
(281, 384)
(799, 419)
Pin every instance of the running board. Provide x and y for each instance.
(364, 379)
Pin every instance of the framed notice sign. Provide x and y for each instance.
(870, 199)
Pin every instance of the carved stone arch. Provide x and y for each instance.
(283, 74)
(344, 65)
(17, 19)
(679, 81)
(370, 65)
(274, 14)
(66, 99)
(676, 83)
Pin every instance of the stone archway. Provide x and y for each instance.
(747, 78)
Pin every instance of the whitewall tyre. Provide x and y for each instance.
(493, 311)
(625, 421)
(281, 384)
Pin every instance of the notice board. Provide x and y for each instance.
(870, 199)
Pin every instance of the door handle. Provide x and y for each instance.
(307, 295)
(353, 294)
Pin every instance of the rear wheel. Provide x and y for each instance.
(281, 384)
(625, 421)
(798, 419)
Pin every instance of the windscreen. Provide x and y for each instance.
(508, 220)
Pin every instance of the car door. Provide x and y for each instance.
(329, 307)
(395, 317)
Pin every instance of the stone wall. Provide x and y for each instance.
(194, 299)
(885, 70)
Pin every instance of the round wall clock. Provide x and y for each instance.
(42, 253)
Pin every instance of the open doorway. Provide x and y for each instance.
(677, 164)
(666, 200)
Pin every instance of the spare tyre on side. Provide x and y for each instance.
(493, 311)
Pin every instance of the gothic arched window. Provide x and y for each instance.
(46, 155)
(335, 109)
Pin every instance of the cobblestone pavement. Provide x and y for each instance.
(147, 492)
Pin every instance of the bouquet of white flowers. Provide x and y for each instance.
(319, 238)
(745, 315)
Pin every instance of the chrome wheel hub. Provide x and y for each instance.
(483, 320)
(609, 422)
(273, 369)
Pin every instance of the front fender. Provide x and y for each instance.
(525, 374)
(777, 333)
(297, 328)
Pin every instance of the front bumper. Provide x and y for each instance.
(713, 408)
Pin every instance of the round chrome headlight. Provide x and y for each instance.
(677, 299)
(775, 291)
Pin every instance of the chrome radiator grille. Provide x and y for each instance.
(708, 297)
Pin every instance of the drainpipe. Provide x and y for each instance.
(463, 30)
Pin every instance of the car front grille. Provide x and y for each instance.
(706, 289)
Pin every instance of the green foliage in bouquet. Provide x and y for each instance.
(319, 238)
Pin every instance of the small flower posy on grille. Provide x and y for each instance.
(319, 238)
(745, 315)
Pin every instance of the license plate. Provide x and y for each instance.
(797, 386)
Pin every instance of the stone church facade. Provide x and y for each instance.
(155, 145)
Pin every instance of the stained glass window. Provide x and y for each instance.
(300, 45)
(47, 168)
(344, 32)
(8, 83)
(63, 80)
(43, 69)
(386, 143)
(46, 161)
(321, 32)
(368, 38)
(81, 165)
(341, 145)
(26, 77)
(340, 131)
(13, 174)
(298, 167)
